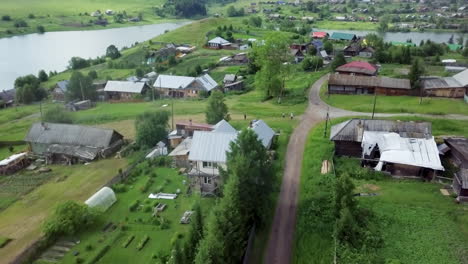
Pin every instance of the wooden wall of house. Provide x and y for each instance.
(446, 92)
(347, 89)
(348, 148)
(389, 91)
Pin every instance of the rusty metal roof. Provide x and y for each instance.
(369, 81)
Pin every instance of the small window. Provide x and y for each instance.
(207, 164)
(207, 180)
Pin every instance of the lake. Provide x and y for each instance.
(416, 37)
(51, 51)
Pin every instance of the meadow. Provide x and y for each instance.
(413, 216)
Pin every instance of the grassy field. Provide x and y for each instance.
(57, 15)
(396, 104)
(21, 221)
(140, 222)
(407, 234)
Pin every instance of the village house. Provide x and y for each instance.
(208, 150)
(7, 98)
(366, 52)
(359, 68)
(125, 90)
(70, 144)
(218, 43)
(458, 156)
(403, 149)
(319, 35)
(343, 36)
(60, 89)
(185, 130)
(352, 50)
(237, 59)
(349, 84)
(451, 87)
(184, 86)
(297, 54)
(232, 82)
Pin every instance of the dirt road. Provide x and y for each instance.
(281, 241)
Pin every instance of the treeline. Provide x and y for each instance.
(225, 234)
(182, 8)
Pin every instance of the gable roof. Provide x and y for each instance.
(229, 78)
(441, 83)
(342, 36)
(264, 132)
(207, 82)
(210, 147)
(462, 78)
(319, 34)
(65, 134)
(124, 87)
(173, 82)
(369, 81)
(63, 85)
(224, 126)
(8, 95)
(454, 47)
(219, 41)
(352, 130)
(358, 67)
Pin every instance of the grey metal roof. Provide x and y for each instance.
(124, 87)
(229, 77)
(207, 82)
(63, 85)
(462, 78)
(183, 148)
(441, 83)
(264, 132)
(219, 41)
(172, 81)
(460, 145)
(50, 133)
(210, 147)
(87, 153)
(353, 129)
(224, 126)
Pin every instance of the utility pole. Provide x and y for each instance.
(82, 92)
(172, 113)
(326, 123)
(375, 100)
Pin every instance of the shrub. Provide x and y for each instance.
(31, 16)
(146, 186)
(128, 241)
(143, 242)
(165, 224)
(89, 247)
(6, 18)
(20, 23)
(120, 188)
(134, 205)
(147, 209)
(79, 260)
(58, 114)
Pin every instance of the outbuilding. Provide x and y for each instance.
(218, 43)
(102, 199)
(125, 90)
(361, 68)
(349, 84)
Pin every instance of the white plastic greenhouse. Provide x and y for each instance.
(102, 200)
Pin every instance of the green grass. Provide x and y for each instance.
(160, 240)
(396, 104)
(412, 201)
(345, 25)
(21, 221)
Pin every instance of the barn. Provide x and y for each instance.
(349, 84)
(458, 156)
(358, 68)
(70, 144)
(451, 87)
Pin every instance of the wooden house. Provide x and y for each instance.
(349, 84)
(366, 52)
(451, 87)
(458, 156)
(297, 54)
(69, 144)
(7, 98)
(184, 86)
(319, 35)
(125, 90)
(343, 36)
(352, 50)
(60, 90)
(360, 68)
(218, 43)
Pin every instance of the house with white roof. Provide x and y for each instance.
(218, 43)
(184, 86)
(124, 90)
(207, 152)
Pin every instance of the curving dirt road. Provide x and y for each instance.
(281, 240)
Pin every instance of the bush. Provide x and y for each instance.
(148, 184)
(79, 260)
(20, 23)
(143, 242)
(119, 188)
(128, 241)
(89, 247)
(31, 16)
(6, 18)
(134, 205)
(58, 114)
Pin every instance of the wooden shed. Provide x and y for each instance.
(458, 156)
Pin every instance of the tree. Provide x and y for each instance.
(80, 87)
(28, 89)
(273, 59)
(139, 72)
(189, 8)
(328, 47)
(20, 23)
(58, 114)
(6, 18)
(40, 29)
(68, 218)
(112, 52)
(231, 11)
(460, 40)
(312, 51)
(415, 73)
(43, 76)
(216, 109)
(92, 75)
(338, 61)
(151, 127)
(77, 63)
(450, 41)
(195, 234)
(255, 21)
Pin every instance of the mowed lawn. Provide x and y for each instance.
(22, 220)
(396, 104)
